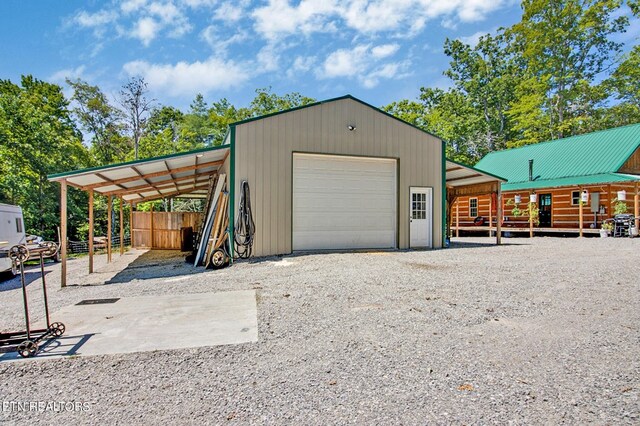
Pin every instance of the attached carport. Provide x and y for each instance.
(186, 174)
(463, 180)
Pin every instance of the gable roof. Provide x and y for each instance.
(578, 160)
(327, 101)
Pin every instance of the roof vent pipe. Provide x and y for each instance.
(530, 170)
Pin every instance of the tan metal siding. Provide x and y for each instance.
(265, 147)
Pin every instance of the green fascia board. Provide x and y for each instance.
(476, 169)
(232, 190)
(594, 153)
(572, 181)
(443, 198)
(134, 162)
(326, 101)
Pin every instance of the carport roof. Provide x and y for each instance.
(459, 175)
(182, 174)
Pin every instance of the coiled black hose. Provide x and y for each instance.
(245, 228)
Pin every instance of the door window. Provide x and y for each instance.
(418, 206)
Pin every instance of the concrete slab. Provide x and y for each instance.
(148, 323)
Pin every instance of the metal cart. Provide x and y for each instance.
(623, 225)
(25, 342)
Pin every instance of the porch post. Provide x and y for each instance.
(581, 208)
(490, 213)
(499, 215)
(530, 215)
(457, 219)
(636, 206)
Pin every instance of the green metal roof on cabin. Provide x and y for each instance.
(571, 181)
(567, 161)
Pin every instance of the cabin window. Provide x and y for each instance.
(18, 225)
(575, 198)
(473, 207)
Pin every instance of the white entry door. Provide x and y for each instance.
(420, 221)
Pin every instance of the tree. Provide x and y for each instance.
(267, 102)
(195, 131)
(563, 47)
(101, 121)
(162, 132)
(38, 137)
(136, 107)
(486, 75)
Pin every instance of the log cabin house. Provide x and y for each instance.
(597, 166)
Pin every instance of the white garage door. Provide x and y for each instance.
(343, 202)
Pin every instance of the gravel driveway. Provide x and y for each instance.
(534, 331)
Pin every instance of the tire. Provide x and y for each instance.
(219, 259)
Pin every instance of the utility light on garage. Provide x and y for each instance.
(351, 127)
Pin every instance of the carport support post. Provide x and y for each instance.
(109, 211)
(63, 232)
(580, 209)
(151, 226)
(131, 222)
(121, 227)
(91, 231)
(499, 216)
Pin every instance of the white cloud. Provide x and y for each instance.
(362, 64)
(184, 78)
(129, 6)
(278, 18)
(92, 20)
(145, 30)
(268, 58)
(384, 50)
(346, 62)
(220, 44)
(473, 39)
(230, 11)
(199, 3)
(72, 73)
(281, 18)
(301, 64)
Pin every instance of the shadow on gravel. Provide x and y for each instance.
(156, 264)
(52, 348)
(31, 274)
(475, 244)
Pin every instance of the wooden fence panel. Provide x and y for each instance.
(166, 228)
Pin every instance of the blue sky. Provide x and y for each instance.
(379, 51)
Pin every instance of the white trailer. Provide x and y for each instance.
(11, 234)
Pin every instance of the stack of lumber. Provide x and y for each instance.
(211, 212)
(219, 230)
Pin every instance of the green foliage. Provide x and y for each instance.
(38, 137)
(543, 78)
(619, 207)
(102, 121)
(531, 211)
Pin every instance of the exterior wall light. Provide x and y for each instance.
(351, 127)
